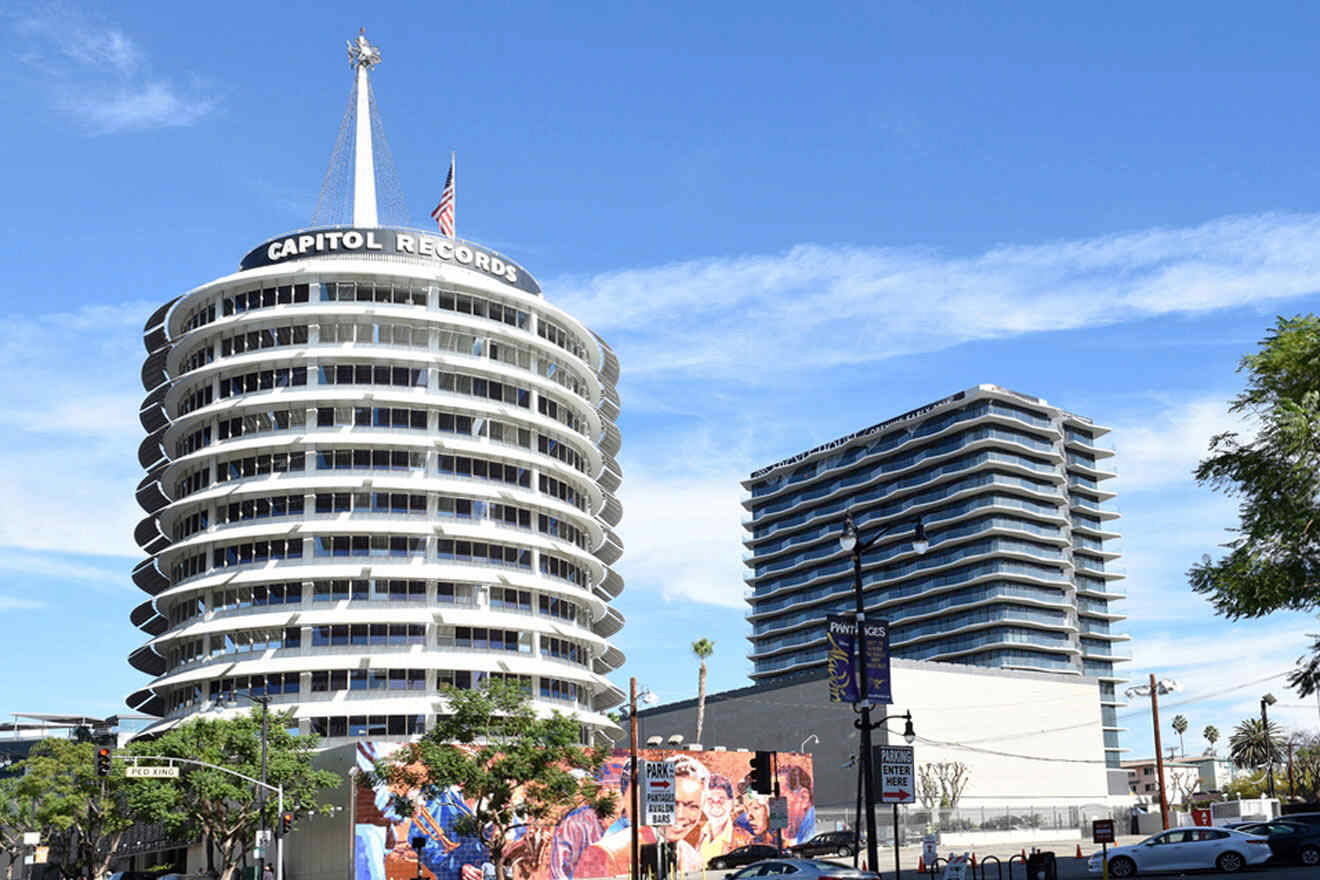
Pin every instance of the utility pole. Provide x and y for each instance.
(1265, 702)
(1159, 751)
(632, 776)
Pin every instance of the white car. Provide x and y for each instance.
(1186, 849)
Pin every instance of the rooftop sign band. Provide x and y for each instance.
(843, 441)
(351, 241)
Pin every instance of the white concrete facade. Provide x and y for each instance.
(1028, 739)
(369, 477)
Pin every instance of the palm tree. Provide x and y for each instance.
(703, 648)
(1211, 734)
(1253, 745)
(1180, 725)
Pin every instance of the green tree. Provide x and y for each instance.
(1211, 734)
(81, 816)
(702, 648)
(16, 816)
(1252, 745)
(1273, 562)
(223, 810)
(1179, 724)
(516, 770)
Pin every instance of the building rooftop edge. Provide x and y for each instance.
(923, 410)
(819, 674)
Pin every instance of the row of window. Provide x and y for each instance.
(466, 304)
(250, 300)
(256, 340)
(262, 380)
(376, 417)
(366, 291)
(372, 589)
(264, 464)
(397, 375)
(475, 386)
(371, 333)
(366, 635)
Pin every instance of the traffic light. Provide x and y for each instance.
(761, 775)
(102, 762)
(286, 823)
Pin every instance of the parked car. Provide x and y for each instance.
(1291, 843)
(1186, 849)
(831, 843)
(1312, 819)
(803, 869)
(743, 855)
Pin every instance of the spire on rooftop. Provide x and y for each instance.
(361, 158)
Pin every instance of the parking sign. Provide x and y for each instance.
(894, 774)
(658, 793)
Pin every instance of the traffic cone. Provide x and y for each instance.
(1024, 853)
(973, 860)
(1079, 850)
(921, 864)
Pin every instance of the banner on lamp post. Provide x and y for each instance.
(844, 676)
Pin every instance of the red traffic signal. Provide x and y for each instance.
(286, 823)
(102, 762)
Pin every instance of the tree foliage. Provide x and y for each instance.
(1253, 745)
(1211, 734)
(224, 809)
(516, 770)
(1273, 562)
(941, 784)
(82, 817)
(16, 816)
(1179, 724)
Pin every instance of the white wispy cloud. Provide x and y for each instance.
(752, 319)
(99, 75)
(70, 448)
(14, 603)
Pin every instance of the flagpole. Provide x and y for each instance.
(453, 175)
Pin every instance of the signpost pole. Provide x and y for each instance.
(1104, 861)
(897, 874)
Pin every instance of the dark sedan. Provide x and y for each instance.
(1291, 843)
(831, 843)
(743, 855)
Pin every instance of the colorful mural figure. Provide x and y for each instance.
(715, 811)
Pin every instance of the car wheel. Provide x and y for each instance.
(1230, 863)
(1122, 867)
(1309, 856)
(718, 866)
(845, 851)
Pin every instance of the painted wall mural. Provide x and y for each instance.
(715, 812)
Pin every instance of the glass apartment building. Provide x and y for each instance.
(1020, 569)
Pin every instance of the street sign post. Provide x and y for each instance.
(895, 774)
(894, 779)
(658, 793)
(1102, 832)
(778, 813)
(151, 772)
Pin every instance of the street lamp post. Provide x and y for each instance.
(1153, 690)
(851, 543)
(1266, 701)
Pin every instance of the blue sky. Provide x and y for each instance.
(790, 223)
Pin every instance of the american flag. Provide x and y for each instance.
(444, 212)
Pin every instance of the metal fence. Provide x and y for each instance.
(914, 821)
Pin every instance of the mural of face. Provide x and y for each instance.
(687, 807)
(758, 813)
(717, 805)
